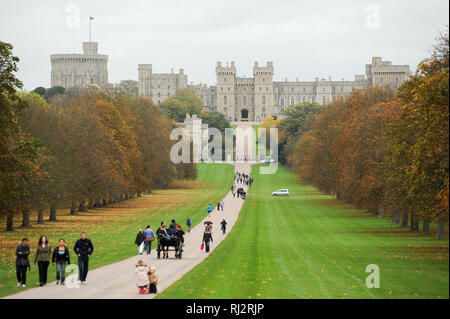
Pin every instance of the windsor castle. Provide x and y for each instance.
(238, 98)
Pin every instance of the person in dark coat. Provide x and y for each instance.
(223, 224)
(61, 257)
(84, 249)
(140, 241)
(22, 262)
(207, 238)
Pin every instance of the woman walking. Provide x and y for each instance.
(61, 257)
(207, 237)
(22, 262)
(140, 241)
(43, 253)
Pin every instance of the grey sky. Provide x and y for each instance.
(304, 39)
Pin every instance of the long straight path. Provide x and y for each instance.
(118, 280)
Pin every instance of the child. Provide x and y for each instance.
(142, 282)
(153, 278)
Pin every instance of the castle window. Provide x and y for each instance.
(303, 89)
(228, 89)
(342, 89)
(304, 99)
(282, 102)
(225, 100)
(381, 80)
(263, 100)
(292, 100)
(324, 100)
(264, 80)
(253, 101)
(292, 89)
(313, 99)
(245, 100)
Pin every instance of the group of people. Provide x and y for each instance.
(144, 240)
(243, 178)
(59, 256)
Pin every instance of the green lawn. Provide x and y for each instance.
(113, 229)
(310, 245)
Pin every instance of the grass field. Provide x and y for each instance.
(113, 229)
(310, 245)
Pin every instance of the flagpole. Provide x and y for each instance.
(90, 29)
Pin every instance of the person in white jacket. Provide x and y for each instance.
(142, 281)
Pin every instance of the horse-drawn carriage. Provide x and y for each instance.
(173, 242)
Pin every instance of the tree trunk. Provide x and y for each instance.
(374, 212)
(40, 217)
(97, 202)
(10, 222)
(441, 230)
(82, 207)
(396, 218)
(405, 219)
(26, 218)
(104, 202)
(126, 196)
(381, 212)
(72, 208)
(90, 203)
(426, 227)
(414, 223)
(52, 216)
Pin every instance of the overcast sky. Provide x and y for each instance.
(304, 39)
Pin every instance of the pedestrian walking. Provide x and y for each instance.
(140, 241)
(22, 262)
(61, 257)
(83, 249)
(188, 224)
(42, 258)
(149, 238)
(222, 204)
(223, 224)
(209, 209)
(207, 237)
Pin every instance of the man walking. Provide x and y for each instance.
(84, 249)
(224, 226)
(149, 237)
(188, 224)
(222, 204)
(209, 209)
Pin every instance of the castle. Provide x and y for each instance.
(254, 99)
(238, 98)
(80, 70)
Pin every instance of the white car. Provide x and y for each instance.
(281, 192)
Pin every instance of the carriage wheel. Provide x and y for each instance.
(180, 250)
(158, 251)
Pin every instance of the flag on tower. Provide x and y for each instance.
(91, 18)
